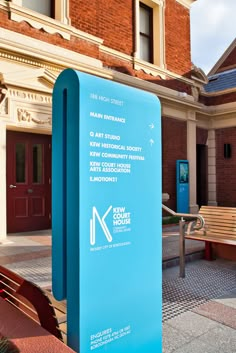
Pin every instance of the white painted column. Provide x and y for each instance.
(3, 213)
(191, 156)
(212, 197)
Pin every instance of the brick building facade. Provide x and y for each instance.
(219, 98)
(144, 44)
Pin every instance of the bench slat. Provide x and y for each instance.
(25, 295)
(227, 221)
(220, 225)
(213, 233)
(224, 221)
(212, 239)
(218, 211)
(220, 228)
(218, 208)
(223, 230)
(220, 218)
(218, 214)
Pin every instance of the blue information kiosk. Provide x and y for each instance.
(182, 186)
(106, 214)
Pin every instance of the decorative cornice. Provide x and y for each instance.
(39, 21)
(186, 3)
(29, 96)
(24, 115)
(28, 47)
(149, 68)
(49, 25)
(3, 102)
(24, 59)
(199, 75)
(36, 79)
(226, 108)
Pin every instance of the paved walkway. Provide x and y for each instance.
(199, 311)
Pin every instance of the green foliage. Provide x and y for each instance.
(170, 220)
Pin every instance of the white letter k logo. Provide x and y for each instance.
(102, 223)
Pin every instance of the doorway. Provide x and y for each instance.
(28, 182)
(201, 175)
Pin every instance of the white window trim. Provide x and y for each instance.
(158, 37)
(37, 20)
(61, 10)
(60, 25)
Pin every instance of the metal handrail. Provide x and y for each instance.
(186, 215)
(196, 226)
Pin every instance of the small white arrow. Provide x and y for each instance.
(151, 142)
(151, 126)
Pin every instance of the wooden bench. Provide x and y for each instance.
(20, 334)
(220, 228)
(60, 310)
(29, 299)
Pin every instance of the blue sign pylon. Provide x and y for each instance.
(106, 214)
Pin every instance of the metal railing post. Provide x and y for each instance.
(181, 248)
(197, 225)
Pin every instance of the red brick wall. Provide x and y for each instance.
(217, 100)
(113, 21)
(169, 83)
(230, 61)
(226, 168)
(174, 146)
(201, 136)
(75, 44)
(109, 20)
(177, 40)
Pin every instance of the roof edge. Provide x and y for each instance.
(222, 58)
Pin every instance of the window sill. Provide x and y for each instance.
(49, 25)
(149, 68)
(39, 21)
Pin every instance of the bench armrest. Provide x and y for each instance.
(192, 226)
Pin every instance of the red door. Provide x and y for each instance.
(28, 182)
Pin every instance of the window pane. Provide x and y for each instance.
(42, 6)
(20, 163)
(146, 33)
(144, 20)
(37, 163)
(144, 48)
